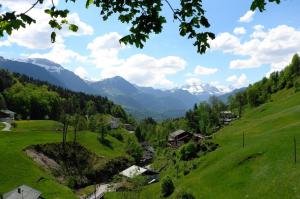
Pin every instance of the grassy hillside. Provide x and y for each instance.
(263, 169)
(16, 168)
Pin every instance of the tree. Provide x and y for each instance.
(145, 18)
(241, 101)
(78, 123)
(2, 102)
(134, 149)
(167, 186)
(65, 120)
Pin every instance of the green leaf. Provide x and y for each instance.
(53, 36)
(88, 3)
(73, 27)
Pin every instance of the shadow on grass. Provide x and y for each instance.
(105, 142)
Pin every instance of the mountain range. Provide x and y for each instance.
(139, 101)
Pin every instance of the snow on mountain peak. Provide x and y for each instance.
(197, 88)
(45, 63)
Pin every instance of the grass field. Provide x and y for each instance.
(1, 126)
(265, 168)
(17, 169)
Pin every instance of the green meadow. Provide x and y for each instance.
(16, 168)
(264, 168)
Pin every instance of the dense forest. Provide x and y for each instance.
(34, 99)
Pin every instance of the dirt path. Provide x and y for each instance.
(101, 189)
(7, 126)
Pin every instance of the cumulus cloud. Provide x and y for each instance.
(247, 17)
(201, 70)
(238, 81)
(193, 81)
(105, 49)
(239, 31)
(273, 47)
(37, 35)
(140, 69)
(145, 70)
(60, 54)
(4, 43)
(81, 72)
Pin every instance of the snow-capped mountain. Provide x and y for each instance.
(201, 89)
(139, 101)
(45, 63)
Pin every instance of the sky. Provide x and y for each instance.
(248, 45)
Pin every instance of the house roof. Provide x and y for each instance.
(176, 133)
(7, 111)
(26, 193)
(133, 171)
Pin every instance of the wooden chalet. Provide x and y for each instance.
(179, 137)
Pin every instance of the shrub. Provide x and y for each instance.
(118, 136)
(188, 152)
(167, 187)
(184, 195)
(186, 172)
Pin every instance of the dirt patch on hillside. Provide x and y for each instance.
(43, 160)
(74, 165)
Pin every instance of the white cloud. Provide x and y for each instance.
(247, 17)
(225, 42)
(231, 78)
(239, 31)
(238, 81)
(258, 27)
(193, 81)
(145, 70)
(140, 69)
(37, 35)
(5, 43)
(201, 70)
(81, 72)
(105, 50)
(60, 54)
(273, 47)
(23, 5)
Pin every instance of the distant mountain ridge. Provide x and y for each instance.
(139, 101)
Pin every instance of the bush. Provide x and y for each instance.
(186, 172)
(118, 136)
(185, 195)
(188, 152)
(167, 187)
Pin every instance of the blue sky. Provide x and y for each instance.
(248, 45)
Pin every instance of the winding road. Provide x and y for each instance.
(7, 126)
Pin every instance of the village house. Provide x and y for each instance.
(226, 117)
(7, 115)
(148, 153)
(22, 192)
(179, 137)
(135, 171)
(114, 122)
(129, 127)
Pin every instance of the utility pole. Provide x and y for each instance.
(295, 150)
(243, 139)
